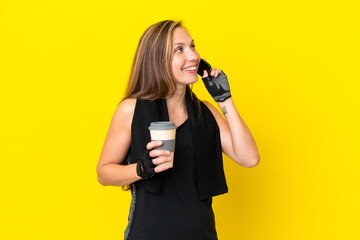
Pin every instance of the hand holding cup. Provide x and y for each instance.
(159, 154)
(160, 158)
(153, 160)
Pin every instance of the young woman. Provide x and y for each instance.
(173, 203)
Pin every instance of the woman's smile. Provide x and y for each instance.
(191, 70)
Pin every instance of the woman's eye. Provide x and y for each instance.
(180, 48)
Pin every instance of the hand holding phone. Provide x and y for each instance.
(204, 66)
(218, 87)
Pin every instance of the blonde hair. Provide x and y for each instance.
(151, 77)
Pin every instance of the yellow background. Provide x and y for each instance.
(293, 68)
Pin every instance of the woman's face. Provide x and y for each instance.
(186, 59)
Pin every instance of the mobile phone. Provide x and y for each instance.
(204, 66)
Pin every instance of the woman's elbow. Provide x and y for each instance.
(100, 180)
(255, 161)
(249, 163)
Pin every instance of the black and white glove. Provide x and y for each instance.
(145, 168)
(218, 87)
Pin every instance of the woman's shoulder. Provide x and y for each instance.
(127, 105)
(216, 114)
(125, 110)
(208, 105)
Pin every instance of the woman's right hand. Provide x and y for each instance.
(159, 156)
(150, 163)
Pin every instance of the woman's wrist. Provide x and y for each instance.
(136, 172)
(224, 106)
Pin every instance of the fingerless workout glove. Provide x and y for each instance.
(145, 167)
(218, 87)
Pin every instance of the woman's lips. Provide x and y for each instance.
(191, 71)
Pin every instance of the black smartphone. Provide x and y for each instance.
(204, 66)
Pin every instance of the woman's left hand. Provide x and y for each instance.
(217, 84)
(214, 72)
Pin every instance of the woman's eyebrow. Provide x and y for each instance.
(182, 43)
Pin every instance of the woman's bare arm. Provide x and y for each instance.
(115, 148)
(109, 169)
(236, 139)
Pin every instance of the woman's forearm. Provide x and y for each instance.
(117, 175)
(243, 143)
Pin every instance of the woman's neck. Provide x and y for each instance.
(177, 101)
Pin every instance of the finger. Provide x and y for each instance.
(162, 168)
(157, 153)
(217, 73)
(161, 160)
(153, 144)
(205, 74)
(213, 71)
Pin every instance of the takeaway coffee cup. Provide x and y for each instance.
(164, 131)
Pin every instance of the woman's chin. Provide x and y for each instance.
(188, 81)
(195, 80)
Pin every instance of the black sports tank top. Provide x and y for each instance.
(176, 213)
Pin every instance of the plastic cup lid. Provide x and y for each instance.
(162, 125)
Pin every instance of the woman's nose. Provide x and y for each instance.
(193, 55)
